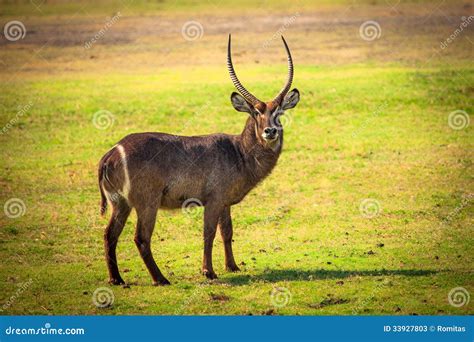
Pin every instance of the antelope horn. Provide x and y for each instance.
(287, 86)
(244, 92)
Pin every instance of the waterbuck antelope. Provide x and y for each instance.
(147, 171)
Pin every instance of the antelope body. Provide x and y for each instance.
(148, 171)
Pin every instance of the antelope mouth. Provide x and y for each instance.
(270, 139)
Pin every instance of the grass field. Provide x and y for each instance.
(369, 210)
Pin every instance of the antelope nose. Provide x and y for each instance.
(270, 131)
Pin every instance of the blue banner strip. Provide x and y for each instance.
(237, 328)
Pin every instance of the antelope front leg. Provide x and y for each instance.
(225, 226)
(211, 217)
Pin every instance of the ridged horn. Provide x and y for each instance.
(241, 89)
(287, 86)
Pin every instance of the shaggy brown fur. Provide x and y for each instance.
(147, 171)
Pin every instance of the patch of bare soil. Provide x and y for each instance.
(327, 302)
(402, 33)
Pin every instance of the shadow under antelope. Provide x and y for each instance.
(148, 171)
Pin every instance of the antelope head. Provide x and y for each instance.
(265, 114)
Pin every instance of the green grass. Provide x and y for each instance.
(372, 124)
(301, 229)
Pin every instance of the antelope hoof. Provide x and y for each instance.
(162, 282)
(209, 274)
(116, 281)
(232, 268)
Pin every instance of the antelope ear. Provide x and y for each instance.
(291, 99)
(240, 104)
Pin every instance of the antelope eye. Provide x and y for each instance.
(277, 113)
